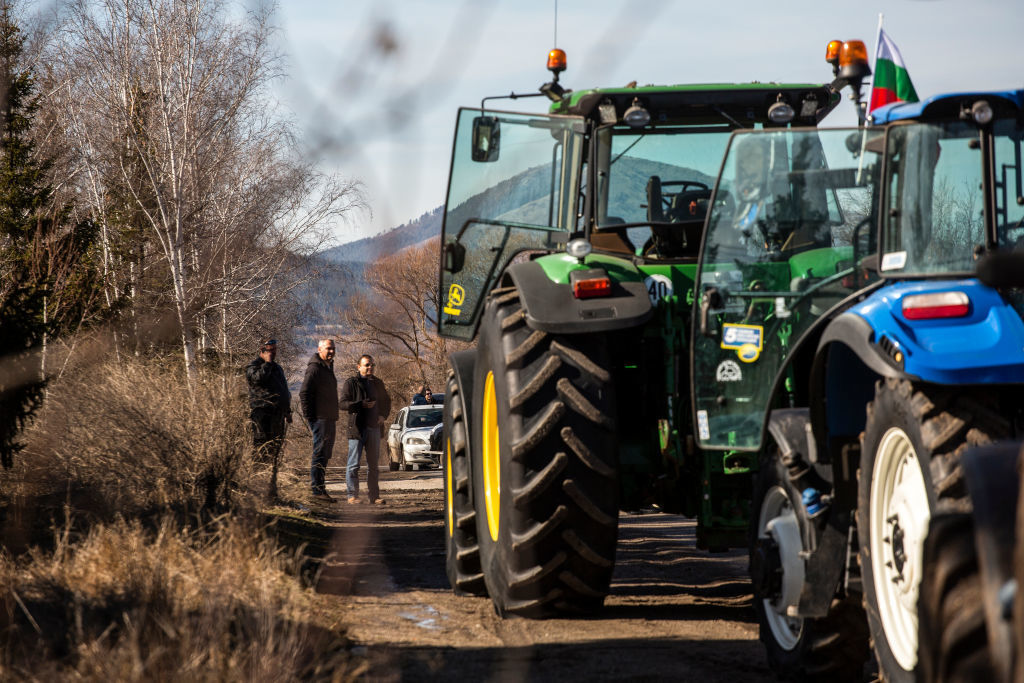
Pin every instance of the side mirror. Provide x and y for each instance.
(453, 257)
(486, 138)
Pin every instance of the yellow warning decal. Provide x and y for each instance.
(456, 295)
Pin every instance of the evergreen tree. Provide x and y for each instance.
(27, 224)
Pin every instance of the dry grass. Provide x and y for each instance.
(125, 603)
(191, 589)
(135, 437)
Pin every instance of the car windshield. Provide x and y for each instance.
(424, 418)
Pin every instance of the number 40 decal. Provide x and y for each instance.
(659, 287)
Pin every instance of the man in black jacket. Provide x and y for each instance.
(319, 398)
(366, 400)
(270, 402)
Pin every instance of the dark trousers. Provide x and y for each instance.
(323, 445)
(267, 435)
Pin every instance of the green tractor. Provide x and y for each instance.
(569, 253)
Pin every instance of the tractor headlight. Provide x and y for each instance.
(578, 248)
(981, 112)
(636, 116)
(781, 112)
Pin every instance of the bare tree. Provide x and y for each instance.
(397, 314)
(167, 105)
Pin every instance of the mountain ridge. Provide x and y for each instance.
(369, 249)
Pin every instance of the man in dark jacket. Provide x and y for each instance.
(366, 400)
(319, 398)
(270, 402)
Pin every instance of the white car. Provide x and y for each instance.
(409, 437)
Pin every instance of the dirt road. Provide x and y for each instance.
(674, 612)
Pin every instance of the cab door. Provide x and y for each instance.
(513, 186)
(777, 256)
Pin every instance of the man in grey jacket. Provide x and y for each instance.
(319, 399)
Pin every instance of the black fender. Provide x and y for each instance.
(462, 364)
(825, 538)
(993, 483)
(846, 365)
(551, 307)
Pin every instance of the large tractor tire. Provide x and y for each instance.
(951, 607)
(545, 475)
(834, 647)
(462, 562)
(910, 470)
(1018, 575)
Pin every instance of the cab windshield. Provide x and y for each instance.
(791, 219)
(1009, 188)
(935, 173)
(658, 182)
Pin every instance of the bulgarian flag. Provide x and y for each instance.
(891, 82)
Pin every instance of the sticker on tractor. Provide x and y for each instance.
(703, 431)
(456, 295)
(894, 260)
(728, 371)
(737, 336)
(748, 353)
(659, 287)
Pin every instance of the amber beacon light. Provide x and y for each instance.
(556, 61)
(853, 59)
(832, 55)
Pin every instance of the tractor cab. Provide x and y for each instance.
(629, 170)
(859, 324)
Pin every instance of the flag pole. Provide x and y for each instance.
(871, 94)
(878, 41)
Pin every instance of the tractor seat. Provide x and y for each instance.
(689, 206)
(687, 213)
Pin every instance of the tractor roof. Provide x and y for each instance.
(949, 105)
(706, 103)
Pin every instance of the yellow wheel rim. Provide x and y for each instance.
(450, 497)
(491, 459)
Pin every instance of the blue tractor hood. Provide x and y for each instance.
(984, 347)
(940, 106)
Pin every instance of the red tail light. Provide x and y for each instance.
(587, 289)
(937, 305)
(591, 283)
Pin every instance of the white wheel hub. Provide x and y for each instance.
(898, 513)
(778, 521)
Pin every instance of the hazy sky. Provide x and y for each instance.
(375, 84)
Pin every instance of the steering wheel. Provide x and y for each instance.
(687, 184)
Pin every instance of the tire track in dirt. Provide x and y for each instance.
(673, 613)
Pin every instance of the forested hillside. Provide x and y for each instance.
(389, 242)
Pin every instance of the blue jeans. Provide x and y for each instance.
(369, 440)
(323, 445)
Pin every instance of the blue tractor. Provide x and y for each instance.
(842, 332)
